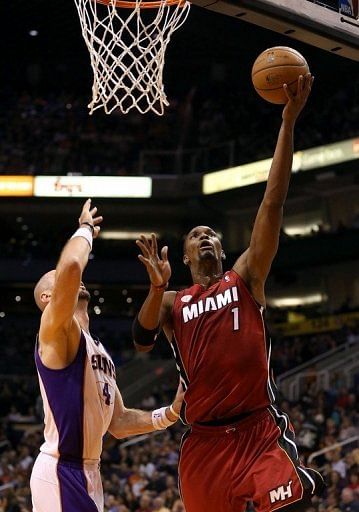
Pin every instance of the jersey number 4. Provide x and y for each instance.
(235, 312)
(107, 394)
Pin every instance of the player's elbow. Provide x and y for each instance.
(144, 339)
(70, 265)
(118, 434)
(119, 426)
(274, 203)
(142, 348)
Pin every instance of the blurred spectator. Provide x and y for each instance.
(159, 505)
(53, 134)
(349, 503)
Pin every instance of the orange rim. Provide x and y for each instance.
(145, 4)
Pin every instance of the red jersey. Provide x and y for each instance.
(222, 350)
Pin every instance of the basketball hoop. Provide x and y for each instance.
(127, 41)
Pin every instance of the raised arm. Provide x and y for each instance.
(156, 310)
(255, 263)
(130, 422)
(57, 344)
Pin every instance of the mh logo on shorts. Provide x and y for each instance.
(282, 493)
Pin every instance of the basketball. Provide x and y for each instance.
(273, 68)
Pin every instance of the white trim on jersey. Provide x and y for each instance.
(309, 478)
(269, 386)
(286, 428)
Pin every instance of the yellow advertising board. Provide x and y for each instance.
(257, 172)
(16, 185)
(317, 325)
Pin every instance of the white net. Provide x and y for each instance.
(127, 48)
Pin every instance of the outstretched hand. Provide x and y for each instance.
(296, 102)
(88, 217)
(159, 269)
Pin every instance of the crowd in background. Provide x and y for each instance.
(142, 477)
(53, 134)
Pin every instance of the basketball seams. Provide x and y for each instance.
(285, 50)
(277, 88)
(304, 65)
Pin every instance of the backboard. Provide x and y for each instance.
(331, 25)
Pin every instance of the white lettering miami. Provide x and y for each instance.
(210, 304)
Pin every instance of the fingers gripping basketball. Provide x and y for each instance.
(275, 67)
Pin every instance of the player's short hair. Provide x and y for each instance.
(188, 232)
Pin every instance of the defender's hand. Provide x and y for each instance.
(178, 401)
(177, 404)
(159, 269)
(296, 102)
(88, 216)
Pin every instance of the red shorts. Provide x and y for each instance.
(223, 468)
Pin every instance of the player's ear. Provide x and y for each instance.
(45, 296)
(185, 259)
(223, 255)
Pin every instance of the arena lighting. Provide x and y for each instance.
(304, 300)
(125, 235)
(16, 186)
(302, 229)
(257, 172)
(93, 186)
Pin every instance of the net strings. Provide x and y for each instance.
(127, 50)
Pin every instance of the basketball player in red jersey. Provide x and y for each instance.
(239, 446)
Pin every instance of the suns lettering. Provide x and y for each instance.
(219, 301)
(103, 364)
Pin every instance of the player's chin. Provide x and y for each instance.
(84, 295)
(207, 254)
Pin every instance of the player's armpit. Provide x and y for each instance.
(255, 286)
(254, 265)
(166, 309)
(264, 240)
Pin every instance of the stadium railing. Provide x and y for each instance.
(332, 447)
(286, 380)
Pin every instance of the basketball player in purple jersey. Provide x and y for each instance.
(78, 387)
(239, 447)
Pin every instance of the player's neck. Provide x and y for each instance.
(82, 316)
(207, 274)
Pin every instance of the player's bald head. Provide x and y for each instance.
(43, 288)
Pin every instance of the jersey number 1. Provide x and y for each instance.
(235, 312)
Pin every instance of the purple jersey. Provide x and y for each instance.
(78, 402)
